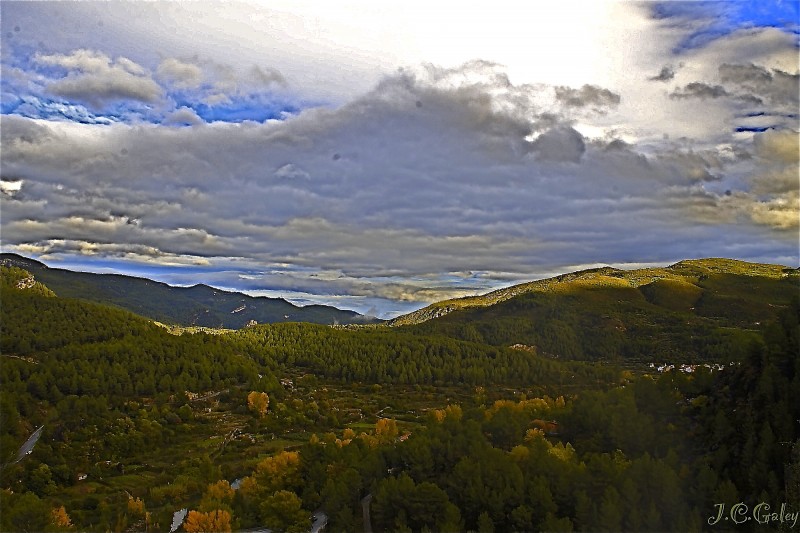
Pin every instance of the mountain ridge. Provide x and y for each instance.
(607, 275)
(197, 305)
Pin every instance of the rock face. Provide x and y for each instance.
(26, 283)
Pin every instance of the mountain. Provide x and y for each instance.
(199, 305)
(109, 421)
(705, 309)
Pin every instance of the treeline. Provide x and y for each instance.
(384, 355)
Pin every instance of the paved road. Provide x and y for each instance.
(29, 444)
(320, 521)
(365, 509)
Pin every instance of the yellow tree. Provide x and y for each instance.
(136, 507)
(386, 430)
(59, 518)
(249, 487)
(258, 403)
(211, 522)
(218, 495)
(278, 472)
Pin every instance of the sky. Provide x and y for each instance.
(381, 156)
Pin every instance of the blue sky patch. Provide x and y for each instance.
(725, 17)
(256, 107)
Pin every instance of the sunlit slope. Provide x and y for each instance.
(697, 309)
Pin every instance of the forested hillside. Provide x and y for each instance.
(262, 427)
(694, 311)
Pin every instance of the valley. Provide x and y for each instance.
(597, 401)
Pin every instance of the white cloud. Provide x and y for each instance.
(183, 74)
(96, 79)
(10, 187)
(183, 116)
(290, 171)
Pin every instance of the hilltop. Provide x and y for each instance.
(684, 272)
(707, 309)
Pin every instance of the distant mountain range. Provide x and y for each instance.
(199, 305)
(711, 306)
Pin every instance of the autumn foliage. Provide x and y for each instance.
(258, 403)
(136, 507)
(59, 518)
(213, 521)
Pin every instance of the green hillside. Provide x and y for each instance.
(692, 311)
(199, 305)
(109, 422)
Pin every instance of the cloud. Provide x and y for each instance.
(434, 172)
(562, 144)
(10, 187)
(266, 76)
(289, 171)
(709, 22)
(666, 74)
(771, 196)
(183, 116)
(95, 79)
(700, 90)
(183, 74)
(748, 84)
(780, 147)
(588, 95)
(776, 86)
(691, 165)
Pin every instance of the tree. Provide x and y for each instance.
(278, 472)
(218, 495)
(386, 430)
(258, 403)
(610, 517)
(28, 513)
(485, 524)
(283, 511)
(213, 521)
(59, 518)
(136, 507)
